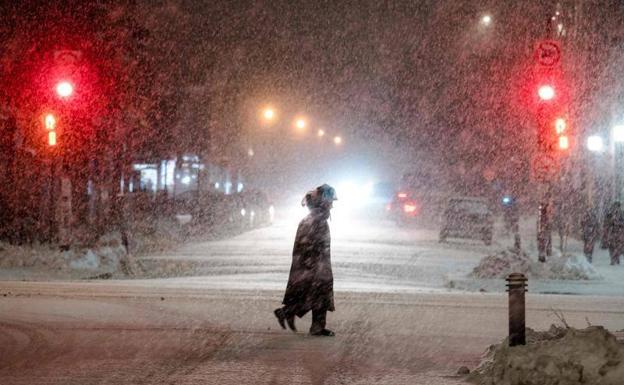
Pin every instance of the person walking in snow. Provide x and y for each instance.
(614, 232)
(311, 282)
(590, 232)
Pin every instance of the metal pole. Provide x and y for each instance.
(52, 203)
(516, 287)
(618, 171)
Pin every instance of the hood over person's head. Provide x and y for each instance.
(321, 197)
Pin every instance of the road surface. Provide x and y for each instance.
(396, 322)
(123, 332)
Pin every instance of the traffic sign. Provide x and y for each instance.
(548, 53)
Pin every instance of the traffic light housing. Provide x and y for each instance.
(551, 96)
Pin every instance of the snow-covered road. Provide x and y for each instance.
(397, 322)
(367, 256)
(125, 332)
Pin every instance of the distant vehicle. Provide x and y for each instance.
(238, 211)
(467, 217)
(257, 209)
(419, 198)
(404, 208)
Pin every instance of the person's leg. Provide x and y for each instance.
(319, 319)
(286, 315)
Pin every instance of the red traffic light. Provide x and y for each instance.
(64, 89)
(546, 92)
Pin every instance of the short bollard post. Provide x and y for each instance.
(516, 287)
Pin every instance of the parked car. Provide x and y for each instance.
(467, 217)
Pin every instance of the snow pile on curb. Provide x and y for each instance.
(105, 256)
(505, 262)
(559, 356)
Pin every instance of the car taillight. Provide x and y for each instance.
(410, 208)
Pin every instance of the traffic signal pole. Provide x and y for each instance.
(553, 143)
(544, 227)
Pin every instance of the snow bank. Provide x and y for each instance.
(501, 264)
(107, 255)
(559, 356)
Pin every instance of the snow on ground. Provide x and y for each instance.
(378, 256)
(367, 255)
(567, 273)
(558, 356)
(40, 261)
(505, 262)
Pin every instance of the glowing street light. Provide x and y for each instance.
(486, 20)
(321, 133)
(595, 143)
(64, 89)
(618, 133)
(300, 124)
(268, 114)
(337, 140)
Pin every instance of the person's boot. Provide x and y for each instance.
(291, 323)
(279, 314)
(323, 333)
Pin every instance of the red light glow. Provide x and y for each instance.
(64, 89)
(409, 208)
(546, 92)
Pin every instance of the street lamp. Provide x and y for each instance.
(321, 133)
(618, 133)
(486, 20)
(595, 143)
(300, 124)
(337, 140)
(268, 114)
